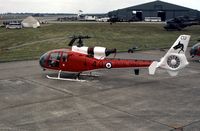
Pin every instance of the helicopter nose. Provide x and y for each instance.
(42, 60)
(192, 52)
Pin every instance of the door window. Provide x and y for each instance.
(64, 57)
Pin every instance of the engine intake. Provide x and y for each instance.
(110, 51)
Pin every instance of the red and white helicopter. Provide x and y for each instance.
(80, 58)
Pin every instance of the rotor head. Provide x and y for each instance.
(79, 38)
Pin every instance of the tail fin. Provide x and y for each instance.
(175, 58)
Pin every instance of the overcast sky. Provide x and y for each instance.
(72, 6)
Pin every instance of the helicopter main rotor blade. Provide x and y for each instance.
(72, 42)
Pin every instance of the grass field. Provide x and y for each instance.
(31, 43)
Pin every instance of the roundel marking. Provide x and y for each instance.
(173, 61)
(108, 65)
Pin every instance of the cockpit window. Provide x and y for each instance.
(54, 59)
(196, 47)
(43, 59)
(55, 56)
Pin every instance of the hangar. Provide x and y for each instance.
(156, 8)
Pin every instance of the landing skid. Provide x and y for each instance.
(90, 75)
(64, 79)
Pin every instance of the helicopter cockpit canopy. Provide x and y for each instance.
(52, 59)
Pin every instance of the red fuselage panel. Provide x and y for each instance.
(76, 62)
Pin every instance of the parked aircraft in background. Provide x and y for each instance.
(195, 50)
(180, 23)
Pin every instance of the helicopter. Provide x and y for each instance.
(181, 22)
(195, 50)
(80, 58)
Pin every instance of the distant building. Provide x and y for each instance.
(154, 9)
(90, 18)
(30, 22)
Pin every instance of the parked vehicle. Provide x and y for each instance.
(2, 26)
(14, 26)
(104, 19)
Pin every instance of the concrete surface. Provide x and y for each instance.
(115, 101)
